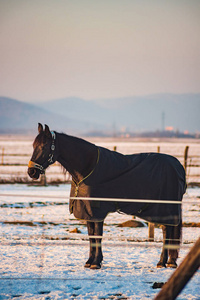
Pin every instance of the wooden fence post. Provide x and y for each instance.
(43, 179)
(172, 288)
(186, 157)
(151, 232)
(2, 158)
(151, 226)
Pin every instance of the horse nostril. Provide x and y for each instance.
(31, 172)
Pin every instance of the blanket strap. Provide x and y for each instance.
(143, 208)
(77, 184)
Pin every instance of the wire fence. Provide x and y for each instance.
(10, 161)
(66, 240)
(100, 199)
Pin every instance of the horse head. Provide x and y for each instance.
(43, 152)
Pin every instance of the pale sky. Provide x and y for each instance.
(92, 49)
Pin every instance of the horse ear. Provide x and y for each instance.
(47, 131)
(40, 128)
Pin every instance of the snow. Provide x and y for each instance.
(41, 258)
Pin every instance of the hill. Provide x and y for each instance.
(135, 114)
(20, 117)
(104, 116)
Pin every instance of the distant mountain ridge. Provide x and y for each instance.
(74, 115)
(147, 113)
(20, 117)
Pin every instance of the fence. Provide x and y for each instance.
(56, 175)
(13, 168)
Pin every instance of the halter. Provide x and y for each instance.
(50, 161)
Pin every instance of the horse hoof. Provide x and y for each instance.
(160, 265)
(172, 265)
(89, 262)
(95, 267)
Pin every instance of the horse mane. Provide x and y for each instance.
(77, 139)
(72, 139)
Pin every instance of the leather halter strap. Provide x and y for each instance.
(35, 165)
(32, 164)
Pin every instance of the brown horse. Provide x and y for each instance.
(155, 181)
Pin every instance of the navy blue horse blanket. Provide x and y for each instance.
(152, 176)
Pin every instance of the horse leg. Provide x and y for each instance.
(164, 254)
(175, 242)
(92, 250)
(98, 231)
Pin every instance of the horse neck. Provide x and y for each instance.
(76, 155)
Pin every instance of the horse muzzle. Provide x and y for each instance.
(34, 173)
(34, 170)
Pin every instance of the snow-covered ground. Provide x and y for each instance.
(42, 259)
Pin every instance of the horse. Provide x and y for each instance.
(156, 181)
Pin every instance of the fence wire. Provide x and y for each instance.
(102, 199)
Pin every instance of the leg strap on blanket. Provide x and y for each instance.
(143, 208)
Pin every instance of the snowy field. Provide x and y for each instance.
(41, 258)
